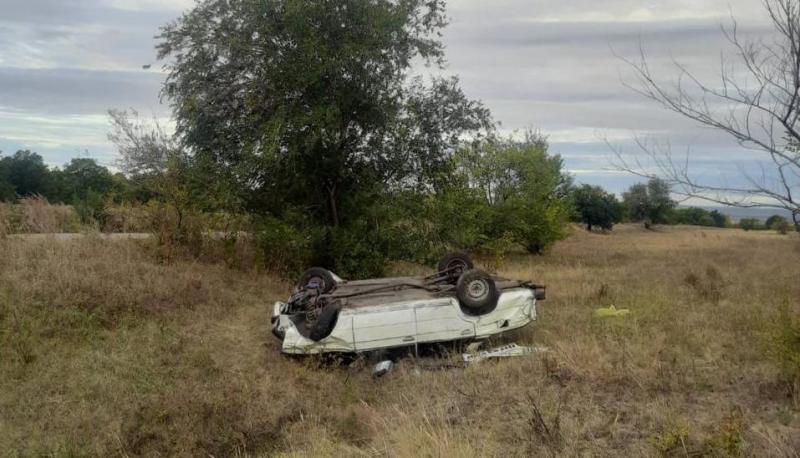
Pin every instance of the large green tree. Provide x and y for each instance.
(596, 208)
(308, 104)
(85, 184)
(525, 187)
(26, 173)
(649, 203)
(7, 191)
(84, 176)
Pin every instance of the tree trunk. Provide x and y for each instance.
(589, 227)
(177, 236)
(333, 207)
(796, 219)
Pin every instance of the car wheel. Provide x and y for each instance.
(477, 292)
(317, 277)
(325, 322)
(454, 264)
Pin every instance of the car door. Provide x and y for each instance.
(385, 326)
(441, 320)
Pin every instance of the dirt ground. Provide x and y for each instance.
(106, 351)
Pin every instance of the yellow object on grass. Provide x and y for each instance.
(605, 312)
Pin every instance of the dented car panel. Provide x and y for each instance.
(516, 308)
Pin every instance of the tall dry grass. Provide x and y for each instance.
(5, 216)
(127, 218)
(105, 351)
(35, 215)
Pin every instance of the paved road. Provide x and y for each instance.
(62, 236)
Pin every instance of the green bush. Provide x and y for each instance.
(751, 224)
(285, 249)
(698, 217)
(91, 209)
(778, 223)
(537, 229)
(358, 251)
(515, 189)
(674, 436)
(784, 347)
(462, 219)
(177, 233)
(782, 227)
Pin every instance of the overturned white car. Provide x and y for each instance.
(457, 303)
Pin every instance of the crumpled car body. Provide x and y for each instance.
(405, 311)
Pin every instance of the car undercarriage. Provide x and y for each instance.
(326, 313)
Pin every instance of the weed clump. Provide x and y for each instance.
(673, 437)
(728, 439)
(708, 286)
(784, 348)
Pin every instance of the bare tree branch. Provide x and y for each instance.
(760, 111)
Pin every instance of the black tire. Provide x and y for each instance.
(477, 292)
(322, 277)
(455, 264)
(325, 323)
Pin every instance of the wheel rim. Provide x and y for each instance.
(478, 289)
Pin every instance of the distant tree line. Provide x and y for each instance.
(82, 182)
(777, 223)
(650, 204)
(499, 193)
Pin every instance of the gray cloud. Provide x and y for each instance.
(64, 63)
(59, 91)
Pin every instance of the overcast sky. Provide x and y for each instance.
(541, 64)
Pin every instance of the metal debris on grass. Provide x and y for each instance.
(504, 351)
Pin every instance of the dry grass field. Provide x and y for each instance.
(105, 351)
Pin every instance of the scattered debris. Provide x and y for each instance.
(610, 311)
(504, 351)
(382, 368)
